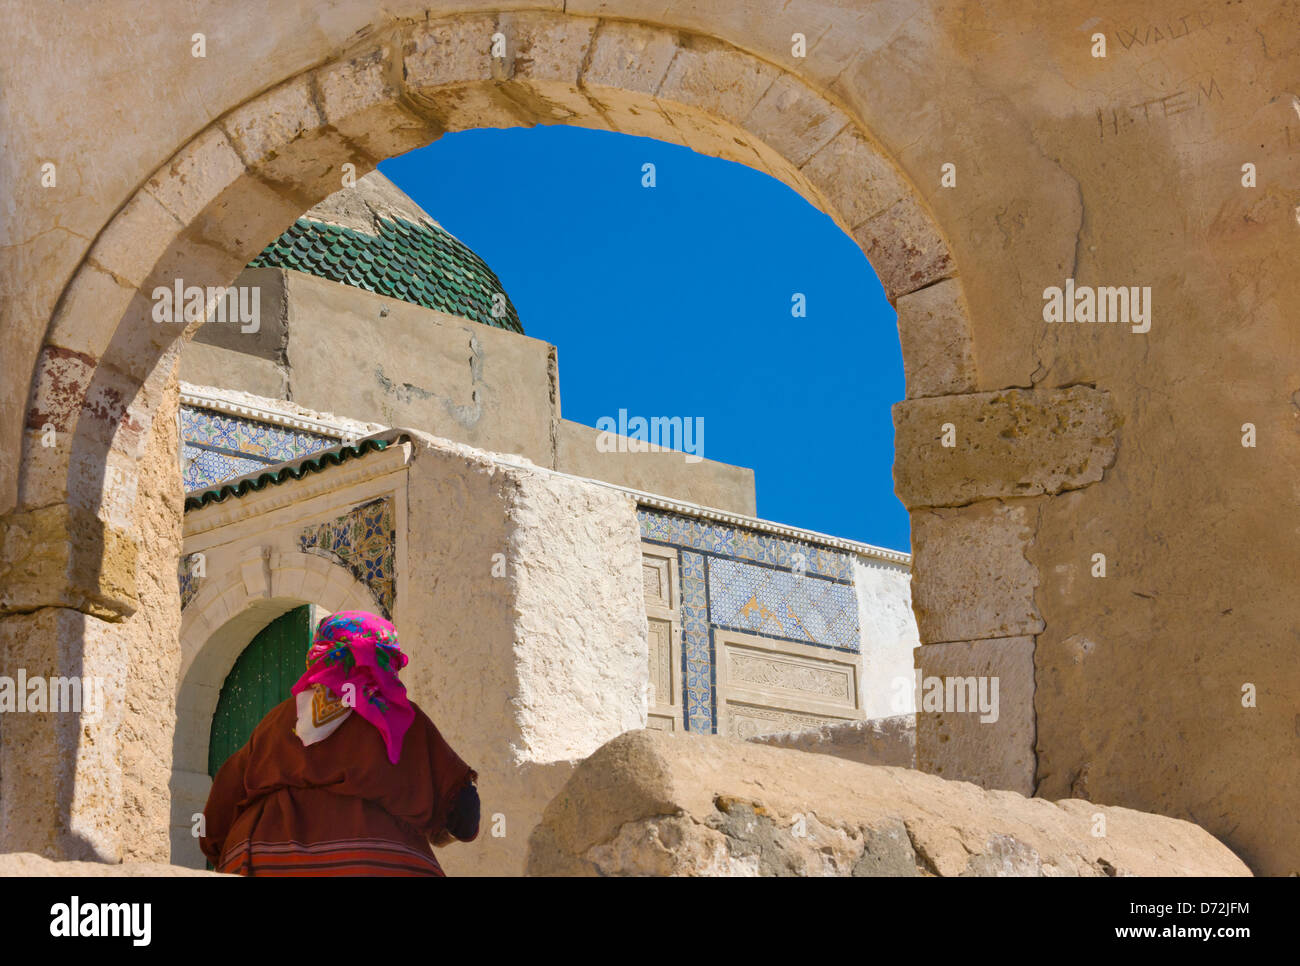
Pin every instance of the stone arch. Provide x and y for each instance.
(223, 617)
(101, 373)
(235, 186)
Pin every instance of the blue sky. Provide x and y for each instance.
(676, 301)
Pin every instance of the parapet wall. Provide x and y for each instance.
(651, 803)
(526, 630)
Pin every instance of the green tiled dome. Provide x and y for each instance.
(416, 263)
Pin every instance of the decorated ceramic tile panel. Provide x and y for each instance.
(733, 578)
(364, 541)
(216, 446)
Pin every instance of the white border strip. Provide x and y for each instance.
(202, 400)
(657, 502)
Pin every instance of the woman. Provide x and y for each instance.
(347, 776)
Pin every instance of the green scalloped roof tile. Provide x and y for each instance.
(418, 263)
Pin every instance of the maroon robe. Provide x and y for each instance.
(337, 807)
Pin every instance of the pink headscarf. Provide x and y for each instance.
(352, 666)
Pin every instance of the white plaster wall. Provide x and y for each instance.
(580, 622)
(888, 636)
(525, 625)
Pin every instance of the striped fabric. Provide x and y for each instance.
(356, 857)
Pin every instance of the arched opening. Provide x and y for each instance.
(237, 184)
(677, 285)
(260, 679)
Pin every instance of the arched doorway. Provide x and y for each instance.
(101, 386)
(260, 680)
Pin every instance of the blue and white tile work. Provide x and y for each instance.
(217, 446)
(733, 578)
(189, 583)
(364, 541)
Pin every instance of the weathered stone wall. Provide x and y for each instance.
(1070, 440)
(252, 362)
(388, 361)
(651, 803)
(152, 637)
(93, 783)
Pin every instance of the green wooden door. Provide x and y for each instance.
(260, 679)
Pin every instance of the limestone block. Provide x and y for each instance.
(250, 214)
(254, 573)
(905, 248)
(793, 120)
(545, 47)
(133, 241)
(46, 466)
(449, 70)
(109, 481)
(703, 134)
(61, 379)
(266, 126)
(199, 172)
(229, 221)
(210, 252)
(717, 79)
(636, 114)
(784, 170)
(994, 748)
(470, 106)
(625, 67)
(444, 53)
(855, 177)
(92, 295)
(284, 140)
(659, 803)
(974, 579)
(935, 331)
(1015, 442)
(117, 408)
(547, 55)
(65, 556)
(629, 57)
(360, 98)
(138, 342)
